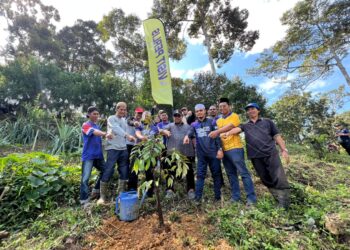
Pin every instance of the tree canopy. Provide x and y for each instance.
(316, 41)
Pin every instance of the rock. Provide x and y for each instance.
(310, 222)
(4, 234)
(337, 224)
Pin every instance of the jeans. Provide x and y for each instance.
(121, 158)
(215, 168)
(87, 165)
(234, 164)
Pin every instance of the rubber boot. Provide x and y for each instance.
(103, 193)
(282, 196)
(122, 185)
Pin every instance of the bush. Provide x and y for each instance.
(35, 182)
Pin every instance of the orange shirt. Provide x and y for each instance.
(232, 141)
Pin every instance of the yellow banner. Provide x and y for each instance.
(158, 60)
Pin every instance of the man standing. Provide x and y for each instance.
(116, 151)
(213, 112)
(343, 137)
(133, 123)
(234, 155)
(209, 152)
(261, 136)
(164, 121)
(176, 133)
(92, 155)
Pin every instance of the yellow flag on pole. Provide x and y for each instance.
(158, 60)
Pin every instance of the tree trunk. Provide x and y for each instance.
(335, 56)
(159, 208)
(207, 44)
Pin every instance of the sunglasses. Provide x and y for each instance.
(177, 115)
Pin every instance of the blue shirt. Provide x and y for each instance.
(147, 130)
(162, 125)
(205, 146)
(343, 138)
(92, 144)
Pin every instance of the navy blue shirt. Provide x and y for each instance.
(92, 144)
(343, 138)
(147, 130)
(205, 146)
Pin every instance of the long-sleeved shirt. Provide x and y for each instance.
(205, 146)
(118, 127)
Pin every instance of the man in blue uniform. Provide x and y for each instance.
(209, 152)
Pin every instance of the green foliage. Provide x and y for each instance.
(309, 119)
(36, 182)
(207, 88)
(66, 139)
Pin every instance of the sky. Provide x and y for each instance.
(264, 16)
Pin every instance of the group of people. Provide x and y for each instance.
(210, 138)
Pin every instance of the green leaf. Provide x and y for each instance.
(35, 181)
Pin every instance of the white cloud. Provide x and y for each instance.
(316, 85)
(190, 73)
(177, 72)
(271, 86)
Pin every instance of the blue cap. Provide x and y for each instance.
(252, 105)
(199, 106)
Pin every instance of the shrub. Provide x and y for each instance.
(35, 182)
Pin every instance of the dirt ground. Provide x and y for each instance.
(186, 233)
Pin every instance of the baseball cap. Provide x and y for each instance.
(177, 112)
(252, 105)
(139, 110)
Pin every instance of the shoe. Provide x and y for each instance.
(191, 195)
(235, 201)
(169, 194)
(250, 204)
(103, 193)
(95, 194)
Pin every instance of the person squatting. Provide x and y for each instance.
(206, 140)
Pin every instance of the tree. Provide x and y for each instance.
(129, 47)
(82, 47)
(317, 40)
(30, 27)
(223, 27)
(299, 116)
(148, 155)
(207, 88)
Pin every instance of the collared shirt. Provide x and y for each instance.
(117, 126)
(175, 141)
(232, 141)
(259, 137)
(204, 144)
(92, 144)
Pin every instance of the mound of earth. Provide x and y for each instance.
(144, 233)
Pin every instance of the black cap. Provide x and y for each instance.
(177, 112)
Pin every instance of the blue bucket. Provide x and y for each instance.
(127, 206)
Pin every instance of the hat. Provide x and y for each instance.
(139, 110)
(252, 105)
(199, 106)
(177, 112)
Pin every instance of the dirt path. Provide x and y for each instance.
(186, 233)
